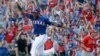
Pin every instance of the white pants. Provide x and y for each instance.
(38, 46)
(49, 52)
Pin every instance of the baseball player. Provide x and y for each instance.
(40, 24)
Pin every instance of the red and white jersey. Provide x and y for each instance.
(89, 43)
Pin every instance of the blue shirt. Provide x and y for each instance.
(43, 2)
(72, 45)
(97, 26)
(93, 1)
(40, 24)
(2, 36)
(3, 24)
(3, 10)
(12, 19)
(3, 51)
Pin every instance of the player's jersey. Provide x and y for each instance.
(40, 24)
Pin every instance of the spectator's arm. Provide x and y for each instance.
(68, 20)
(29, 38)
(19, 8)
(7, 14)
(26, 49)
(89, 24)
(18, 35)
(16, 50)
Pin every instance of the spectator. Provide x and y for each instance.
(3, 50)
(70, 47)
(49, 46)
(2, 35)
(60, 50)
(2, 11)
(27, 25)
(10, 34)
(89, 44)
(11, 47)
(43, 4)
(21, 45)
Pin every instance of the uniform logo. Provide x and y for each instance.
(38, 22)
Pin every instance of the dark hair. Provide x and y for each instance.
(23, 33)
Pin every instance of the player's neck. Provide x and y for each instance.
(36, 17)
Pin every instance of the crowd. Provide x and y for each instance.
(81, 36)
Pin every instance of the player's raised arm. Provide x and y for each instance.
(63, 25)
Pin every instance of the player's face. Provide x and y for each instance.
(36, 15)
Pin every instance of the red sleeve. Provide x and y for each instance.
(57, 49)
(84, 41)
(84, 12)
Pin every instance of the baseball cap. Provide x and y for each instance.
(36, 11)
(92, 31)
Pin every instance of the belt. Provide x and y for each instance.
(37, 35)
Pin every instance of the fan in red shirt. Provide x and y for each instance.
(53, 3)
(48, 44)
(88, 15)
(89, 44)
(62, 6)
(49, 48)
(60, 49)
(27, 26)
(9, 35)
(14, 28)
(84, 12)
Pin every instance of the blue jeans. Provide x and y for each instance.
(78, 53)
(66, 52)
(84, 53)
